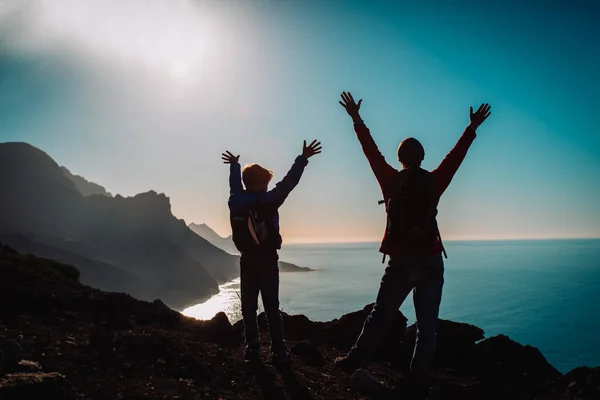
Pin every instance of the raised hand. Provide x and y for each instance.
(229, 158)
(480, 115)
(352, 108)
(311, 149)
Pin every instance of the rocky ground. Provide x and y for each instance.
(82, 343)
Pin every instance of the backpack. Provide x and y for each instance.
(254, 229)
(411, 210)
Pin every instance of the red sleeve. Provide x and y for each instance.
(445, 171)
(382, 170)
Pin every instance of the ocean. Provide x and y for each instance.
(544, 293)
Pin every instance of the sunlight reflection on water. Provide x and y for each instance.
(227, 300)
(540, 293)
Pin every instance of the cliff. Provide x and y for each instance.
(132, 244)
(80, 342)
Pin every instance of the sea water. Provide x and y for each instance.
(545, 293)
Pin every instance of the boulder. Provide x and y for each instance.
(299, 327)
(344, 331)
(501, 359)
(220, 331)
(455, 341)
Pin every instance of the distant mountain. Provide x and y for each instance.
(84, 186)
(46, 213)
(227, 244)
(205, 231)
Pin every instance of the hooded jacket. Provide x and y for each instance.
(240, 199)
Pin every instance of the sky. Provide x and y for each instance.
(145, 95)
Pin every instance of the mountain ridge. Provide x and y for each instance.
(130, 233)
(85, 187)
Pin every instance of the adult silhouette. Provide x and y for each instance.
(411, 240)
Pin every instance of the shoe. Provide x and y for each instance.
(364, 382)
(252, 353)
(347, 363)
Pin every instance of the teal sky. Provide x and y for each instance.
(143, 95)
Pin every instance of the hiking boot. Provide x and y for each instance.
(252, 353)
(347, 363)
(364, 382)
(280, 358)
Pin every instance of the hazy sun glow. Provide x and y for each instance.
(161, 88)
(177, 37)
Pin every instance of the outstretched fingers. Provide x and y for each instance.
(228, 157)
(482, 113)
(350, 104)
(347, 98)
(313, 148)
(316, 146)
(485, 110)
(350, 97)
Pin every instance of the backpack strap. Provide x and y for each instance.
(432, 206)
(432, 215)
(252, 228)
(439, 236)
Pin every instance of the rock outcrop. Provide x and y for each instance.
(64, 340)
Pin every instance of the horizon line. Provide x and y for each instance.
(298, 242)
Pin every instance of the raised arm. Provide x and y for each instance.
(382, 170)
(282, 189)
(448, 167)
(235, 172)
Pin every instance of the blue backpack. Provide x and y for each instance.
(253, 229)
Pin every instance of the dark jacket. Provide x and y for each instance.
(386, 175)
(240, 199)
